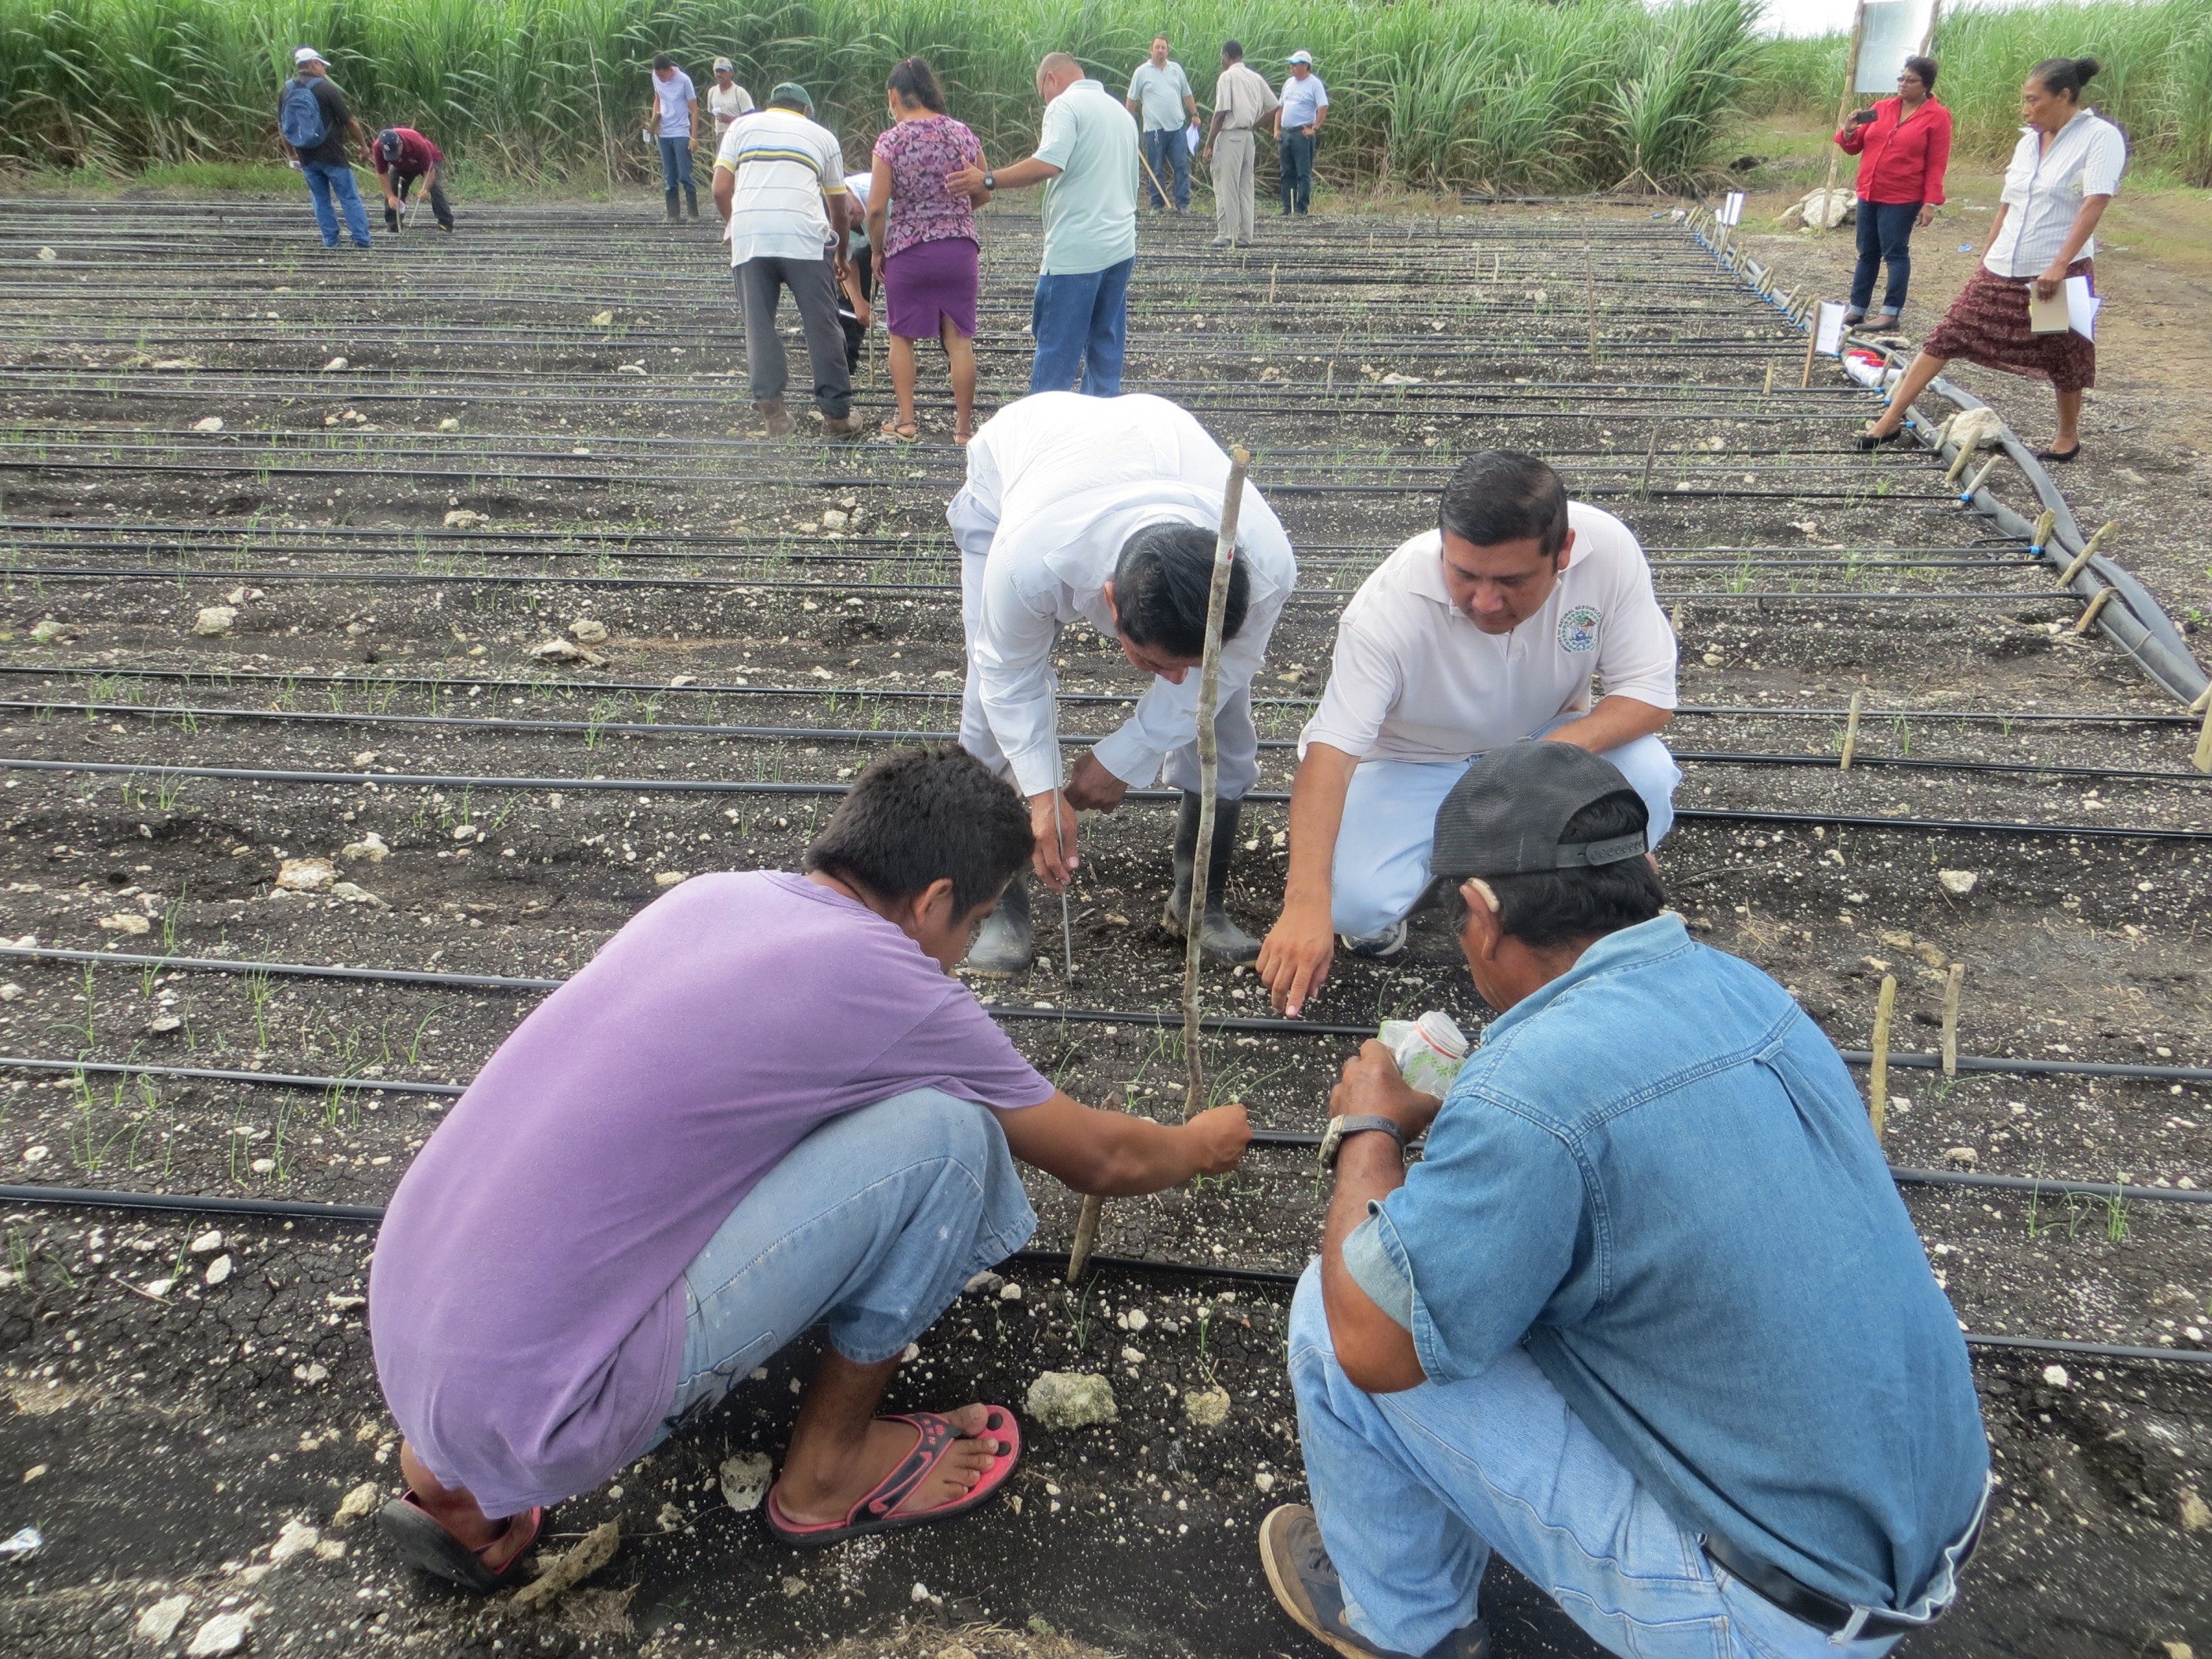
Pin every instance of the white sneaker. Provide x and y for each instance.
(1377, 947)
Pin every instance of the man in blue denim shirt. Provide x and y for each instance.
(1649, 1317)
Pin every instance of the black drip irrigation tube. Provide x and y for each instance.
(272, 1209)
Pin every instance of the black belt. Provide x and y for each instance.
(1824, 1612)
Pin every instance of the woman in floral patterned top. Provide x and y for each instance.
(923, 238)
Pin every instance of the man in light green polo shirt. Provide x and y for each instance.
(1087, 161)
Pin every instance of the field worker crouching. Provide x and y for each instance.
(765, 1105)
(403, 157)
(1105, 510)
(1648, 1318)
(1479, 634)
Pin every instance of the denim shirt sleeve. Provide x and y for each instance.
(1484, 1234)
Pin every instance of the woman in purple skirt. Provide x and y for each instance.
(923, 236)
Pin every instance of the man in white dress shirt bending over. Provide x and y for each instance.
(1484, 632)
(1105, 509)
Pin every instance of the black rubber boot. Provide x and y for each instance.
(691, 201)
(1218, 937)
(670, 198)
(1005, 943)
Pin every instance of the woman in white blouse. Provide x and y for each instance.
(2064, 170)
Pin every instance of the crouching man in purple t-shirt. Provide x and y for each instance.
(766, 1105)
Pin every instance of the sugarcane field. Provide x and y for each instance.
(879, 833)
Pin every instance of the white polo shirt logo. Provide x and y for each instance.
(1578, 629)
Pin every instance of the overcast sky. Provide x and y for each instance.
(1826, 16)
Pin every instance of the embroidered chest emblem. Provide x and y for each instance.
(1578, 630)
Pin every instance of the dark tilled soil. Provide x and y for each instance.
(176, 1426)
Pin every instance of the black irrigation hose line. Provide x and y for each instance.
(358, 1214)
(1067, 740)
(1236, 1024)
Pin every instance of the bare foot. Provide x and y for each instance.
(823, 1483)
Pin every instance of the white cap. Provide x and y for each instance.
(1305, 57)
(309, 55)
(721, 63)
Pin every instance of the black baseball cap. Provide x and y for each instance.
(1505, 817)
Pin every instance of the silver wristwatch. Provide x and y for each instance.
(1342, 1128)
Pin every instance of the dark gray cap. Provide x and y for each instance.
(1505, 816)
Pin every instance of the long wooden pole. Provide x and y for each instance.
(1843, 110)
(1086, 1223)
(1209, 771)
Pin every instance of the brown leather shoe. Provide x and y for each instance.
(779, 420)
(844, 428)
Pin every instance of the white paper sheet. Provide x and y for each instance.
(1828, 338)
(2081, 307)
(1731, 210)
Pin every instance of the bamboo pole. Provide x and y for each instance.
(1842, 112)
(1951, 985)
(2089, 551)
(1851, 730)
(1209, 769)
(1812, 343)
(1878, 1073)
(1086, 1224)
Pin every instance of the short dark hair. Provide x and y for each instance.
(920, 814)
(1504, 495)
(1162, 583)
(916, 85)
(2068, 75)
(1924, 68)
(661, 60)
(1547, 907)
(1233, 50)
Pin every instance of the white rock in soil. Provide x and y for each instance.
(745, 1479)
(313, 1372)
(670, 877)
(451, 423)
(834, 520)
(296, 1538)
(1208, 1408)
(211, 423)
(125, 921)
(218, 1270)
(987, 1282)
(213, 621)
(352, 894)
(1071, 1400)
(48, 255)
(2055, 1376)
(1010, 1293)
(10, 992)
(1263, 1480)
(162, 1024)
(2196, 1513)
(1133, 1356)
(37, 1154)
(1137, 1319)
(602, 318)
(334, 365)
(1958, 883)
(209, 1240)
(306, 875)
(159, 1622)
(371, 847)
(362, 1501)
(1965, 1155)
(918, 1593)
(227, 1633)
(158, 1288)
(565, 651)
(462, 518)
(47, 630)
(588, 630)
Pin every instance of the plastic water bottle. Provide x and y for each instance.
(1429, 1051)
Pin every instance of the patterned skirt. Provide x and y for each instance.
(1987, 324)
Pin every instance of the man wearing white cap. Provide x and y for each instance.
(1297, 127)
(313, 117)
(726, 99)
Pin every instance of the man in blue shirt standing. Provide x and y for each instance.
(1649, 1317)
(1297, 129)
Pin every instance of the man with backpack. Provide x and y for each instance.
(313, 117)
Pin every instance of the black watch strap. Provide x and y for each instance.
(1341, 1129)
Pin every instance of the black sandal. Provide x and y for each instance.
(1868, 439)
(2052, 457)
(422, 1543)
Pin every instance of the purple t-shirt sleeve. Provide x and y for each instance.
(959, 1049)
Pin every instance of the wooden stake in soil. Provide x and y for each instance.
(1851, 730)
(2202, 759)
(1842, 112)
(2089, 611)
(1981, 478)
(1812, 343)
(1951, 985)
(2039, 538)
(2088, 551)
(1878, 1073)
(1086, 1224)
(1209, 771)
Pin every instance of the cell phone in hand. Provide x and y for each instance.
(1861, 117)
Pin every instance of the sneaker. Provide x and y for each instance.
(1305, 1582)
(1377, 947)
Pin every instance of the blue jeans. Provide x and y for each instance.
(326, 179)
(1164, 149)
(1414, 1490)
(1885, 234)
(1382, 862)
(870, 1226)
(1081, 323)
(1294, 150)
(676, 169)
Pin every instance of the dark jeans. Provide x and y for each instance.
(1295, 150)
(676, 169)
(1081, 322)
(1165, 151)
(864, 267)
(813, 289)
(441, 209)
(1885, 234)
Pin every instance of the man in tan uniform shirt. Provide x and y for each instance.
(1242, 99)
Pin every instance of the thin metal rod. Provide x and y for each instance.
(1209, 776)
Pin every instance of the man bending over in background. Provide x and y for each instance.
(765, 1105)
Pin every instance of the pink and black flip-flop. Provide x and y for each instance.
(880, 1510)
(424, 1544)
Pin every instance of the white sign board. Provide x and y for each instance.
(1730, 210)
(1891, 34)
(1828, 335)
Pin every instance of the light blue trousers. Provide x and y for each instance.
(1414, 1490)
(869, 1227)
(1390, 826)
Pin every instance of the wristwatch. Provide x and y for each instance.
(990, 179)
(1342, 1128)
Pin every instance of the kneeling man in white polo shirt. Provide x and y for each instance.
(1488, 631)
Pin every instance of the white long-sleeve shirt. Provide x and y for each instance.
(1056, 483)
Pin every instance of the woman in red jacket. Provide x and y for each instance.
(1903, 143)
